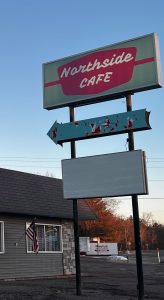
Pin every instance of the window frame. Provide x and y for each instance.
(2, 237)
(46, 224)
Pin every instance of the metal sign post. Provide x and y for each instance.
(140, 286)
(76, 221)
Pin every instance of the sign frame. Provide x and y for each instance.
(146, 74)
(108, 175)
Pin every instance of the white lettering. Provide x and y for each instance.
(107, 76)
(89, 67)
(83, 83)
(96, 65)
(105, 63)
(96, 79)
(91, 81)
(111, 63)
(82, 68)
(128, 57)
(119, 59)
(99, 78)
(74, 71)
(65, 72)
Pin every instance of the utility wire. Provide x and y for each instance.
(45, 167)
(36, 157)
(5, 161)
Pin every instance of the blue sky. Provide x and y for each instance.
(35, 32)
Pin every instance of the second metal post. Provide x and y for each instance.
(76, 221)
(136, 221)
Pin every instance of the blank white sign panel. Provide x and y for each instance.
(108, 175)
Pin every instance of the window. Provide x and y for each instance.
(2, 247)
(49, 238)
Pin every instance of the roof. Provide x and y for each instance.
(36, 195)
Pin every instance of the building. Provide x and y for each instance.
(24, 196)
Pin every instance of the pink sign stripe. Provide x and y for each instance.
(144, 61)
(51, 83)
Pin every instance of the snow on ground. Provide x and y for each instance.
(117, 258)
(113, 258)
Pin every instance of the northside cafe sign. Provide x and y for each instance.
(103, 74)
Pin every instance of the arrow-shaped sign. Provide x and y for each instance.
(101, 126)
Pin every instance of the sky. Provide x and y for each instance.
(36, 32)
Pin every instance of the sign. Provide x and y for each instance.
(108, 175)
(103, 74)
(98, 127)
(103, 249)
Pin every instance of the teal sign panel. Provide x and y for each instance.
(101, 126)
(103, 74)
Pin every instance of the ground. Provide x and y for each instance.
(101, 279)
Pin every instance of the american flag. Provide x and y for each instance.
(31, 233)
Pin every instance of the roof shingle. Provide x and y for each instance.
(36, 195)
